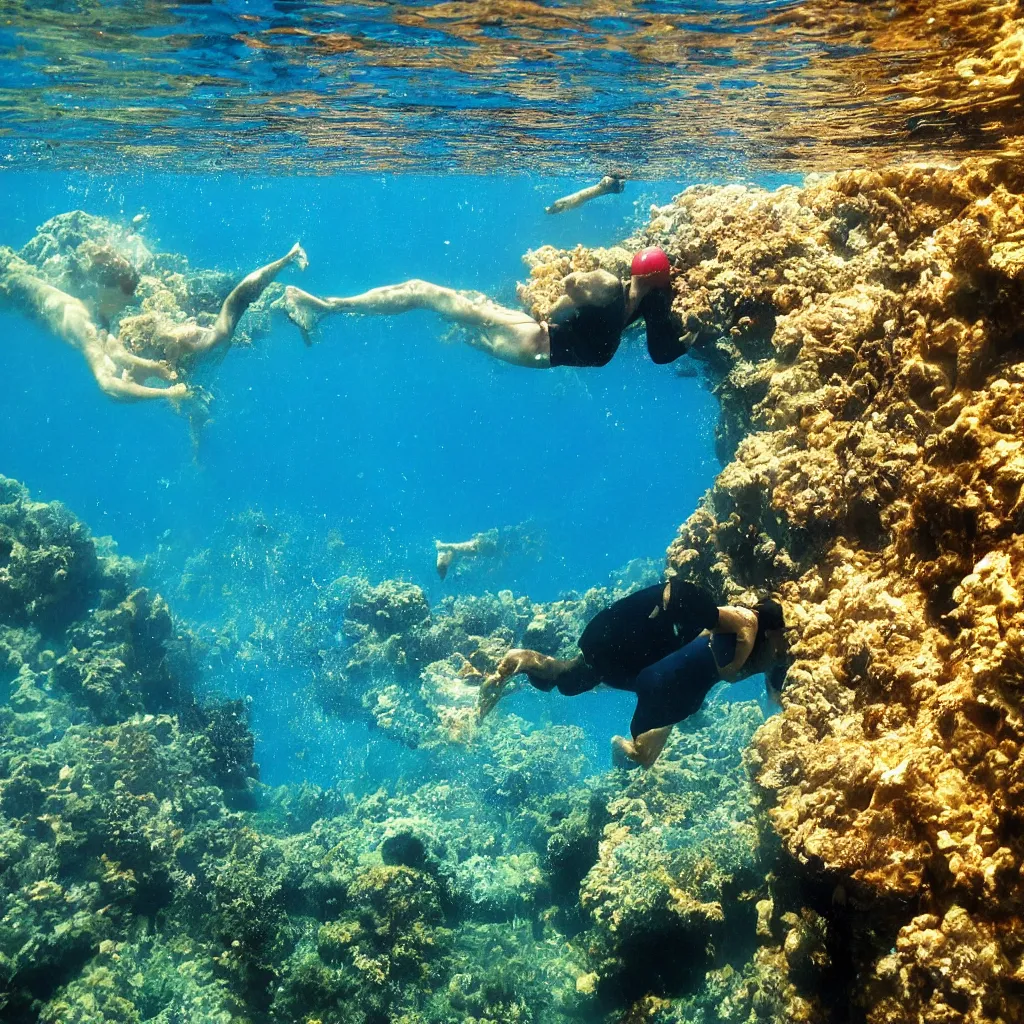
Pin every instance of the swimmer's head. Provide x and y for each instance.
(111, 270)
(651, 266)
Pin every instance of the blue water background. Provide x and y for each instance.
(381, 432)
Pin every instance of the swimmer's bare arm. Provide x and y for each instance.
(135, 365)
(478, 544)
(68, 318)
(609, 183)
(742, 622)
(128, 390)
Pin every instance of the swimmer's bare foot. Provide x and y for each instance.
(491, 690)
(298, 256)
(304, 310)
(493, 686)
(445, 555)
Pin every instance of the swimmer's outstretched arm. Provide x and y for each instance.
(127, 390)
(69, 319)
(478, 544)
(609, 183)
(137, 366)
(242, 296)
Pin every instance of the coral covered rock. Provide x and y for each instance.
(871, 375)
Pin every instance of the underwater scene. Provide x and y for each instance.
(511, 512)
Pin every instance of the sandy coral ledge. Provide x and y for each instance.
(864, 336)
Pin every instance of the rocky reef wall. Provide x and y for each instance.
(863, 335)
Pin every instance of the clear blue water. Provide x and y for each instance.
(382, 432)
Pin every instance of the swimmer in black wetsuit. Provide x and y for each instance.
(668, 644)
(584, 329)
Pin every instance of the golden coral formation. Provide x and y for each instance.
(864, 332)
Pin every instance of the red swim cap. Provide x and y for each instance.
(650, 262)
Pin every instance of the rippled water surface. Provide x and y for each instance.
(655, 88)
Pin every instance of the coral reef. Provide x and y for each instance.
(855, 857)
(862, 334)
(146, 875)
(108, 760)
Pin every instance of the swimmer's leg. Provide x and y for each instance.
(478, 544)
(445, 557)
(539, 666)
(506, 334)
(609, 183)
(642, 750)
(246, 292)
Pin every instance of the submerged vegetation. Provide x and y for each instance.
(854, 858)
(149, 876)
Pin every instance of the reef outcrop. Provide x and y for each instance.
(862, 333)
(147, 875)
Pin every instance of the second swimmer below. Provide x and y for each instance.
(669, 644)
(584, 328)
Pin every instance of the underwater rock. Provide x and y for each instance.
(864, 336)
(109, 769)
(49, 570)
(671, 895)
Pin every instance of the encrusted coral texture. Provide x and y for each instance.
(863, 335)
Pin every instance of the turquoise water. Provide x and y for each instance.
(284, 530)
(381, 432)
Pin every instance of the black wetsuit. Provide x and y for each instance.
(663, 660)
(589, 335)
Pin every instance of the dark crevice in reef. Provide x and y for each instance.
(665, 964)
